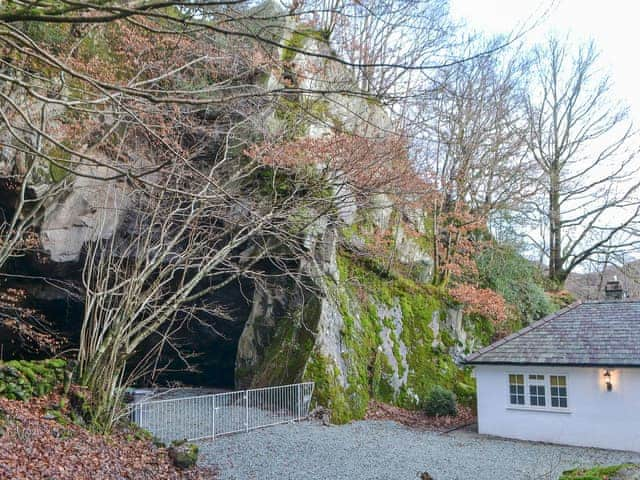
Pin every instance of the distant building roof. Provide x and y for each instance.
(597, 333)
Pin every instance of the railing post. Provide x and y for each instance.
(246, 404)
(300, 398)
(213, 418)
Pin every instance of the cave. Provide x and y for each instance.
(55, 295)
(209, 344)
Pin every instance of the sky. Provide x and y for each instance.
(612, 24)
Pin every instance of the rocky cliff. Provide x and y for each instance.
(361, 320)
(361, 331)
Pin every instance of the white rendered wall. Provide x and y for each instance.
(594, 417)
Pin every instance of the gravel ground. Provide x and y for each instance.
(384, 450)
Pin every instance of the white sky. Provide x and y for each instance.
(613, 25)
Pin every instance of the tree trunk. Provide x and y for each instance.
(556, 271)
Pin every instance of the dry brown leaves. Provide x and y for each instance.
(419, 419)
(33, 447)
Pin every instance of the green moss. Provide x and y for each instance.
(362, 285)
(272, 182)
(22, 379)
(58, 170)
(381, 388)
(298, 39)
(289, 349)
(291, 113)
(482, 328)
(596, 473)
(49, 34)
(296, 112)
(328, 390)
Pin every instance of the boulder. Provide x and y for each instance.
(183, 455)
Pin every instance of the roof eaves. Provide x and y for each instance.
(543, 321)
(610, 364)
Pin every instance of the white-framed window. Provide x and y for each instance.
(539, 391)
(558, 391)
(516, 389)
(537, 397)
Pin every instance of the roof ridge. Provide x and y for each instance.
(613, 300)
(519, 333)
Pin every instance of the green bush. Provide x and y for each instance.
(440, 402)
(518, 280)
(22, 379)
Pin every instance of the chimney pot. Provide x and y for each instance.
(613, 290)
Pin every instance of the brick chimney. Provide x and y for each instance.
(613, 290)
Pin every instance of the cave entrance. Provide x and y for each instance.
(209, 344)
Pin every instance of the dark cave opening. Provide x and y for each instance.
(208, 343)
(207, 347)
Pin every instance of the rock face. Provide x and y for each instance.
(91, 210)
(358, 332)
(352, 325)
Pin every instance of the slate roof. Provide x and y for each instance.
(598, 333)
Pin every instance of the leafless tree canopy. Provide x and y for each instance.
(581, 140)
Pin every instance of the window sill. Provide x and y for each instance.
(540, 409)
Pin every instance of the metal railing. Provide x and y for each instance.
(209, 416)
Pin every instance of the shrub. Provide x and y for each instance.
(518, 280)
(440, 402)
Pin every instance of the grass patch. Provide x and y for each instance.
(595, 473)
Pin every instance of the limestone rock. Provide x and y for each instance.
(92, 210)
(391, 340)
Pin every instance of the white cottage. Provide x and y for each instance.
(571, 378)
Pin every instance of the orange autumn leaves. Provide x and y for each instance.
(382, 165)
(368, 165)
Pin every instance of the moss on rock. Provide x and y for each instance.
(22, 379)
(367, 370)
(183, 455)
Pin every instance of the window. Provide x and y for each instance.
(558, 391)
(536, 391)
(516, 389)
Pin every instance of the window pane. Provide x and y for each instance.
(558, 391)
(537, 392)
(516, 389)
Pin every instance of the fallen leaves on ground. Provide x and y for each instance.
(419, 419)
(34, 447)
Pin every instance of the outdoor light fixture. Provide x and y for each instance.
(607, 380)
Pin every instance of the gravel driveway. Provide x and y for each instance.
(384, 450)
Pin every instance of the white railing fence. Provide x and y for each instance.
(209, 416)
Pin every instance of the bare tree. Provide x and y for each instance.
(582, 140)
(472, 147)
(173, 252)
(392, 32)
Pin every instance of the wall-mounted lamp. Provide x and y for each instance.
(607, 380)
